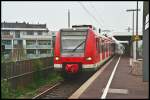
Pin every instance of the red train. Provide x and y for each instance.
(80, 48)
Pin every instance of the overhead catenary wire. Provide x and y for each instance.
(102, 21)
(93, 7)
(89, 13)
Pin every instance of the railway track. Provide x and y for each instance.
(64, 89)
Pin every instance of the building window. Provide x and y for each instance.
(6, 42)
(30, 42)
(30, 33)
(7, 51)
(31, 51)
(5, 32)
(43, 51)
(49, 42)
(45, 33)
(53, 33)
(44, 42)
(17, 34)
(24, 33)
(15, 42)
(39, 33)
(48, 51)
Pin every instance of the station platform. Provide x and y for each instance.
(124, 85)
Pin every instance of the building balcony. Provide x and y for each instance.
(43, 37)
(7, 36)
(8, 47)
(38, 46)
(44, 55)
(31, 47)
(18, 46)
(32, 56)
(44, 46)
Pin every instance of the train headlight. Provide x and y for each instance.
(56, 58)
(88, 58)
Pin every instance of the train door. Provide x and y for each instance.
(105, 49)
(108, 50)
(102, 46)
(106, 54)
(111, 50)
(97, 50)
(100, 49)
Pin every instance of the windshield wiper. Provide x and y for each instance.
(78, 46)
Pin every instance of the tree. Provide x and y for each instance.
(18, 53)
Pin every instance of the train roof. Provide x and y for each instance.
(84, 26)
(79, 28)
(73, 29)
(105, 38)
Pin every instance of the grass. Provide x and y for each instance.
(31, 90)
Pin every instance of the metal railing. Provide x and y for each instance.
(38, 46)
(20, 73)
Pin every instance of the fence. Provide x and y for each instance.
(20, 73)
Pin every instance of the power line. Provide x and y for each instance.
(90, 14)
(104, 25)
(92, 6)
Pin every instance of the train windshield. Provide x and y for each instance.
(73, 42)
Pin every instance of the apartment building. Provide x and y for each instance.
(35, 40)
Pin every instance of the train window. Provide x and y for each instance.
(97, 45)
(100, 48)
(113, 46)
(109, 46)
(105, 47)
(73, 41)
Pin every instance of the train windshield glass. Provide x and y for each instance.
(73, 42)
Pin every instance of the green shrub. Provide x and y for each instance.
(37, 67)
(7, 91)
(30, 90)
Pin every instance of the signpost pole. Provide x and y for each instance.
(136, 46)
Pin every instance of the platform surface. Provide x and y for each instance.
(124, 84)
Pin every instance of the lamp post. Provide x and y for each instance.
(68, 18)
(134, 43)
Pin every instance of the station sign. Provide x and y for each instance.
(135, 37)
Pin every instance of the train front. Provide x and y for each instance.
(69, 50)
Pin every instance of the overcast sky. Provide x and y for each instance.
(109, 15)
